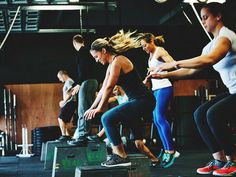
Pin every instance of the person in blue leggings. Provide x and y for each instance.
(163, 92)
(121, 72)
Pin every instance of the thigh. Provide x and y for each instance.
(67, 111)
(224, 108)
(163, 97)
(201, 111)
(130, 115)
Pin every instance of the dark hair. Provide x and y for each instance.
(215, 8)
(78, 38)
(148, 37)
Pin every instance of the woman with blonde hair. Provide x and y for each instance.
(121, 72)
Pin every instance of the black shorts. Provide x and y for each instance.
(67, 111)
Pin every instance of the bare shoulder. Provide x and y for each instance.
(121, 59)
(161, 50)
(124, 63)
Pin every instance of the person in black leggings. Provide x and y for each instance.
(212, 117)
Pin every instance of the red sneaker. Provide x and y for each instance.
(228, 170)
(210, 167)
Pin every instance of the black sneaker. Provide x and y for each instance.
(116, 161)
(77, 142)
(64, 138)
(94, 138)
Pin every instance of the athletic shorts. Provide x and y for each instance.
(67, 111)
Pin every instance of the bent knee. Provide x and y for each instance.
(139, 144)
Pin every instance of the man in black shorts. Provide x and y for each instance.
(67, 105)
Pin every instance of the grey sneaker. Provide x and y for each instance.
(116, 161)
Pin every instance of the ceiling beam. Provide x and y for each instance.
(172, 13)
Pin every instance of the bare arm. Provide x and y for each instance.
(100, 104)
(115, 69)
(100, 93)
(112, 99)
(68, 97)
(218, 52)
(164, 55)
(177, 74)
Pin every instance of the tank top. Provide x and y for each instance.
(157, 83)
(133, 86)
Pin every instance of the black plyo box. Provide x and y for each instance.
(100, 171)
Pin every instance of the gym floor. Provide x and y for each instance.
(185, 166)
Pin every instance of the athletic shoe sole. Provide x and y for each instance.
(117, 165)
(204, 173)
(230, 174)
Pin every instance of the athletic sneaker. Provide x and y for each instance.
(229, 169)
(210, 167)
(94, 138)
(77, 142)
(160, 155)
(63, 138)
(169, 159)
(116, 161)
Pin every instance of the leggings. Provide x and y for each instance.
(163, 97)
(129, 114)
(212, 120)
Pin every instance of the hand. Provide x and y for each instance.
(155, 76)
(146, 80)
(91, 113)
(151, 69)
(75, 89)
(61, 103)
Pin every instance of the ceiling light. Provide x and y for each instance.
(54, 7)
(73, 1)
(206, 1)
(160, 1)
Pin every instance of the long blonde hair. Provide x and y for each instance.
(120, 42)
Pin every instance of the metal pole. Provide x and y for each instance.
(81, 21)
(14, 117)
(5, 117)
(10, 119)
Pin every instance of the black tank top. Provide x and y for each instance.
(133, 86)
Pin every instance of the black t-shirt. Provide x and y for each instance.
(86, 66)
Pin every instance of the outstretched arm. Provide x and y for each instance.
(221, 48)
(177, 74)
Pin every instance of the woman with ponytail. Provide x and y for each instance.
(163, 92)
(121, 72)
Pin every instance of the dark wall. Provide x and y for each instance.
(36, 58)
